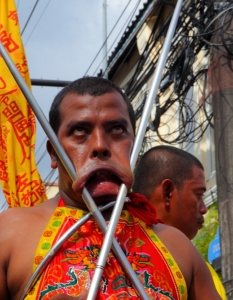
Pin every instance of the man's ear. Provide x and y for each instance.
(167, 190)
(52, 154)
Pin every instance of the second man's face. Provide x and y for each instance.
(97, 135)
(190, 207)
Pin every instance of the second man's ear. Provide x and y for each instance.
(52, 154)
(168, 189)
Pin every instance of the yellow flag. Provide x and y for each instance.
(21, 182)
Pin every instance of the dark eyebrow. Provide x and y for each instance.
(117, 122)
(73, 124)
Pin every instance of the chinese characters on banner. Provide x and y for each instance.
(21, 182)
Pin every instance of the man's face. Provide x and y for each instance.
(188, 208)
(97, 135)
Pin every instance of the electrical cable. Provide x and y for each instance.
(29, 17)
(127, 22)
(17, 5)
(138, 61)
(42, 144)
(222, 33)
(169, 3)
(214, 20)
(189, 83)
(107, 38)
(182, 69)
(42, 156)
(49, 176)
(37, 22)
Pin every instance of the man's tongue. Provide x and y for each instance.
(103, 184)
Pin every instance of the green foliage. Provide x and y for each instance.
(208, 231)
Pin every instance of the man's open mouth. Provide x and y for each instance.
(103, 183)
(201, 223)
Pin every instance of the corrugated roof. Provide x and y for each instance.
(130, 32)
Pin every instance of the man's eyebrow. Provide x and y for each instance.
(112, 122)
(72, 124)
(117, 121)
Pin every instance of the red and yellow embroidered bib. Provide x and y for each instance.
(72, 268)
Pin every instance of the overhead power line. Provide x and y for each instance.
(108, 36)
(17, 5)
(29, 17)
(37, 22)
(129, 19)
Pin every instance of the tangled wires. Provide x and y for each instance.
(182, 109)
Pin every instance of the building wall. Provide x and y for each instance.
(203, 149)
(127, 68)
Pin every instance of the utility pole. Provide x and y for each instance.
(221, 74)
(105, 45)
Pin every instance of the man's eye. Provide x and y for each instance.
(117, 130)
(79, 131)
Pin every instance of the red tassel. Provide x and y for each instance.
(141, 208)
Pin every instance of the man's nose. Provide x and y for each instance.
(100, 146)
(203, 208)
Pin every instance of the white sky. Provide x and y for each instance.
(61, 40)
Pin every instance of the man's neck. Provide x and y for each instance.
(71, 202)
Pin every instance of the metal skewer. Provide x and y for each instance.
(137, 145)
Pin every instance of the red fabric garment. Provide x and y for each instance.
(141, 208)
(72, 268)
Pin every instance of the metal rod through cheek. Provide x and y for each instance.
(138, 142)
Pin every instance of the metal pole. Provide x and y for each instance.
(70, 169)
(138, 141)
(47, 82)
(105, 42)
(155, 84)
(221, 62)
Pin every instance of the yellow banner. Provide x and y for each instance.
(21, 182)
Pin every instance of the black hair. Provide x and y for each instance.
(94, 86)
(163, 162)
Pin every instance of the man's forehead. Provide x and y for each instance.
(198, 178)
(81, 98)
(109, 102)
